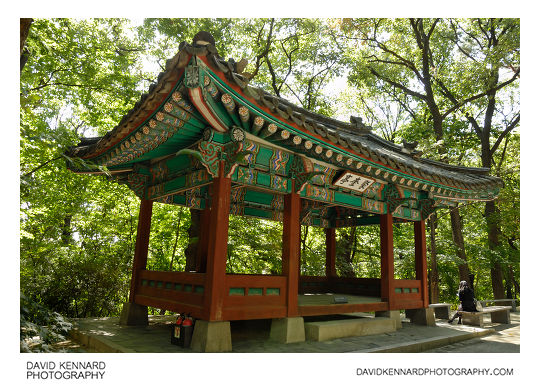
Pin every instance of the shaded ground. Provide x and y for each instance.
(105, 335)
(505, 339)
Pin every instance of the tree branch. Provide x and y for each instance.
(432, 28)
(40, 166)
(456, 42)
(71, 85)
(508, 129)
(498, 168)
(400, 86)
(402, 61)
(482, 94)
(266, 50)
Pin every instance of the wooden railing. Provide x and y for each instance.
(259, 296)
(346, 285)
(174, 291)
(313, 284)
(254, 297)
(357, 286)
(407, 293)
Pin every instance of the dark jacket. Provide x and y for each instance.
(466, 298)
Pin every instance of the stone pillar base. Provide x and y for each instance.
(211, 336)
(423, 316)
(134, 314)
(288, 330)
(394, 315)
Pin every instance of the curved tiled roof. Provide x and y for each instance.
(354, 136)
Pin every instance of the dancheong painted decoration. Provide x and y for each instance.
(203, 138)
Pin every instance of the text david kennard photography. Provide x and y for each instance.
(65, 370)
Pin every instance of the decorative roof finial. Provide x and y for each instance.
(357, 123)
(410, 146)
(204, 38)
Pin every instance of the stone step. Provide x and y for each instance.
(334, 329)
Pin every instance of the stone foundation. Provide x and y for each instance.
(394, 315)
(288, 330)
(211, 336)
(334, 329)
(422, 316)
(134, 314)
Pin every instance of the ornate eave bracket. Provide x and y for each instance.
(136, 181)
(210, 153)
(394, 198)
(427, 207)
(302, 172)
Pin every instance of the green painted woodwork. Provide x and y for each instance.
(259, 213)
(264, 155)
(219, 109)
(258, 197)
(263, 169)
(173, 125)
(236, 291)
(376, 168)
(347, 199)
(255, 291)
(272, 291)
(263, 179)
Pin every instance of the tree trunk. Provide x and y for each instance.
(344, 259)
(193, 235)
(304, 243)
(491, 211)
(494, 232)
(434, 291)
(457, 236)
(514, 281)
(471, 281)
(508, 285)
(25, 28)
(497, 281)
(67, 234)
(175, 240)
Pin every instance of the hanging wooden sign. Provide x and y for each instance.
(353, 181)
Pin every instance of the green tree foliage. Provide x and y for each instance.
(455, 84)
(77, 232)
(40, 327)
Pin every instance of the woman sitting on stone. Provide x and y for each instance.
(466, 301)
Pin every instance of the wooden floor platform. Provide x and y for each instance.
(325, 304)
(320, 299)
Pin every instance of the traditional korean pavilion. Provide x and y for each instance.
(203, 138)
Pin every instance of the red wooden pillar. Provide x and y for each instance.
(387, 260)
(291, 249)
(420, 259)
(330, 252)
(141, 245)
(217, 246)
